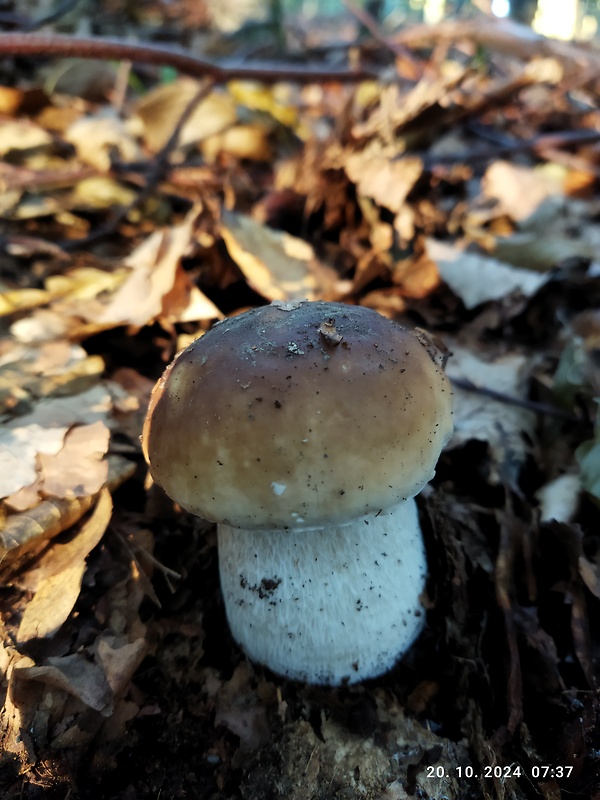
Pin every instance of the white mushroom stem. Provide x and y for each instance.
(326, 606)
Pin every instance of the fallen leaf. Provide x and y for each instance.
(98, 193)
(55, 412)
(387, 180)
(161, 109)
(21, 134)
(477, 278)
(100, 137)
(157, 286)
(477, 416)
(59, 576)
(24, 535)
(248, 141)
(79, 468)
(277, 265)
(19, 448)
(559, 498)
(119, 660)
(21, 299)
(77, 676)
(520, 190)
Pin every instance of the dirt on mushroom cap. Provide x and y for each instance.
(297, 415)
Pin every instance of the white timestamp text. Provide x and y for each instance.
(536, 772)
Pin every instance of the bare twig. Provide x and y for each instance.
(33, 44)
(530, 405)
(543, 144)
(159, 167)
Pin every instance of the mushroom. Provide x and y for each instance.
(304, 429)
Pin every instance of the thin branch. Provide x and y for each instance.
(33, 44)
(530, 405)
(538, 144)
(159, 167)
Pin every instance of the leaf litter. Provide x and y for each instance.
(455, 197)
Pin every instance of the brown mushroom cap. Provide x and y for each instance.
(299, 414)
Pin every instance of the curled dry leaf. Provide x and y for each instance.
(275, 264)
(386, 179)
(157, 286)
(24, 535)
(119, 659)
(59, 574)
(75, 675)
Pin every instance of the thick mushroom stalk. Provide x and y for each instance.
(329, 606)
(297, 427)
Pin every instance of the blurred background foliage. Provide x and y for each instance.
(565, 19)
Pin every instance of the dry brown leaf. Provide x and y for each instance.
(99, 137)
(161, 109)
(10, 100)
(520, 190)
(416, 277)
(22, 134)
(79, 468)
(395, 109)
(157, 286)
(77, 676)
(119, 660)
(19, 448)
(477, 278)
(78, 409)
(386, 180)
(24, 535)
(241, 710)
(476, 416)
(590, 573)
(251, 142)
(14, 300)
(59, 576)
(100, 192)
(14, 745)
(28, 373)
(275, 264)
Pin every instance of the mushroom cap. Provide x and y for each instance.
(298, 414)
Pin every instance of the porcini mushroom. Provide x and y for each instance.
(304, 429)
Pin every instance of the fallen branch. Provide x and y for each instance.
(33, 44)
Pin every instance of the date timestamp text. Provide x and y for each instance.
(537, 772)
